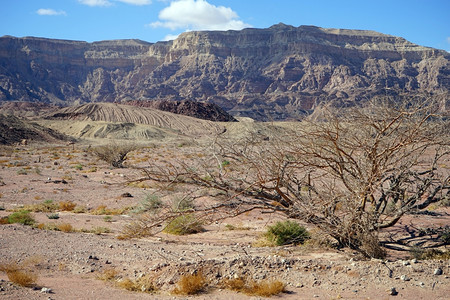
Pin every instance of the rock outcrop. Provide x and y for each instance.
(281, 72)
(15, 131)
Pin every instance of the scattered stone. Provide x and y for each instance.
(414, 261)
(393, 291)
(406, 263)
(126, 195)
(45, 290)
(438, 271)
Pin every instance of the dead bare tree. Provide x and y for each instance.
(114, 153)
(352, 173)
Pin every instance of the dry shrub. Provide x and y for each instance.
(108, 274)
(142, 284)
(263, 288)
(80, 209)
(191, 284)
(370, 245)
(114, 154)
(426, 254)
(65, 227)
(45, 206)
(66, 205)
(20, 274)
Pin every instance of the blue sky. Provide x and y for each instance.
(424, 22)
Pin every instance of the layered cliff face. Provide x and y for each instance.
(277, 73)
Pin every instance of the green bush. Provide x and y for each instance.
(184, 224)
(21, 217)
(287, 232)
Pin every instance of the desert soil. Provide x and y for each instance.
(69, 263)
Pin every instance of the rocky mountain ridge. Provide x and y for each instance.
(277, 73)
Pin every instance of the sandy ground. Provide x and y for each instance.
(69, 263)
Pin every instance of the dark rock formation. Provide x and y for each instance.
(199, 110)
(276, 73)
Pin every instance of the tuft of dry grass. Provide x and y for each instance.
(66, 205)
(46, 206)
(104, 210)
(20, 274)
(184, 224)
(109, 274)
(263, 288)
(191, 284)
(234, 284)
(65, 227)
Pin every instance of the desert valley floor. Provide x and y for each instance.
(71, 263)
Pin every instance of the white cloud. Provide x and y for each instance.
(50, 12)
(95, 2)
(109, 3)
(198, 15)
(170, 37)
(136, 2)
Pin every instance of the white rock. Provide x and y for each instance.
(437, 271)
(405, 278)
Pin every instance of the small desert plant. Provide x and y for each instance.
(233, 227)
(114, 154)
(107, 219)
(184, 224)
(287, 232)
(183, 204)
(22, 172)
(99, 230)
(191, 284)
(20, 274)
(78, 167)
(22, 217)
(264, 288)
(142, 284)
(151, 203)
